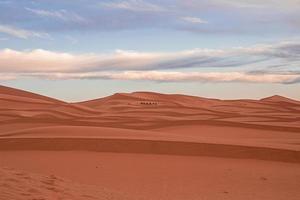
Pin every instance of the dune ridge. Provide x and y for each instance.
(143, 116)
(146, 145)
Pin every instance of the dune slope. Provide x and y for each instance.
(141, 125)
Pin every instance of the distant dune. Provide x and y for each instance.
(147, 127)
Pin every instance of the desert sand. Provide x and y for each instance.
(146, 145)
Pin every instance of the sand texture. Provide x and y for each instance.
(145, 145)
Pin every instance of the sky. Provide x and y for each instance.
(84, 49)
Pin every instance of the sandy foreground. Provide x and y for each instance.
(148, 146)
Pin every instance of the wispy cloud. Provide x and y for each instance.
(160, 76)
(194, 20)
(223, 16)
(8, 77)
(133, 5)
(259, 4)
(21, 33)
(62, 14)
(275, 60)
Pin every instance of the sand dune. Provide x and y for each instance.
(20, 93)
(148, 147)
(143, 124)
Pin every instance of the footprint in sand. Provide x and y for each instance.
(263, 178)
(26, 177)
(19, 174)
(88, 196)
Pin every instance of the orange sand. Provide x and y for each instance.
(148, 146)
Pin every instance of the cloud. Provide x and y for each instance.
(264, 63)
(134, 5)
(199, 76)
(285, 54)
(259, 4)
(40, 60)
(62, 14)
(245, 4)
(224, 16)
(8, 77)
(168, 76)
(21, 33)
(194, 20)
